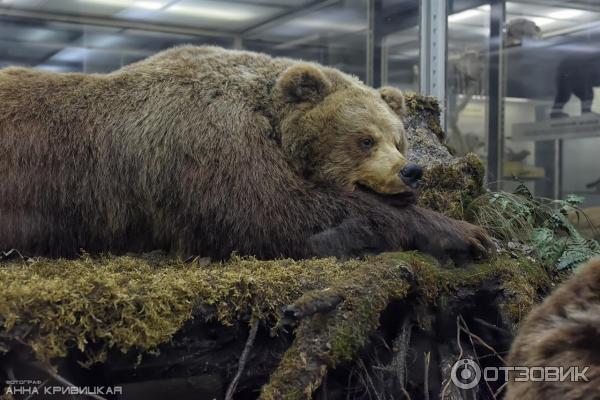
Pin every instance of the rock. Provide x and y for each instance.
(450, 183)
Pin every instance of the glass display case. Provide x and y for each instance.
(102, 35)
(219, 208)
(521, 85)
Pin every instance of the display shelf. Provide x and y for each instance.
(584, 126)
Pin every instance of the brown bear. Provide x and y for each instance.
(202, 150)
(564, 331)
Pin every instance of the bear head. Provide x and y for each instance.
(338, 131)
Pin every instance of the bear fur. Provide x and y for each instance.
(202, 150)
(564, 331)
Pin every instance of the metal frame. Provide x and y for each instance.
(495, 111)
(370, 42)
(374, 43)
(433, 32)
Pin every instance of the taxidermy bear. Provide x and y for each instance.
(564, 331)
(202, 150)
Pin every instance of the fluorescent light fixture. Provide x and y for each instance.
(111, 3)
(517, 100)
(410, 53)
(142, 4)
(314, 23)
(214, 10)
(38, 35)
(53, 68)
(541, 21)
(149, 5)
(484, 8)
(20, 3)
(567, 13)
(104, 41)
(71, 54)
(463, 15)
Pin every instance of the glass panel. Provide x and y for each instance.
(400, 47)
(551, 125)
(468, 47)
(334, 35)
(547, 114)
(103, 35)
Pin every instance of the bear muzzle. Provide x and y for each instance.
(411, 175)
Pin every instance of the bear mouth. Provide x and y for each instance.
(401, 199)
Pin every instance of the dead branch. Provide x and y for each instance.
(426, 376)
(479, 340)
(401, 347)
(243, 359)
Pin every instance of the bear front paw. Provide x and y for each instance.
(478, 243)
(461, 242)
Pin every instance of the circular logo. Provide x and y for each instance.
(465, 374)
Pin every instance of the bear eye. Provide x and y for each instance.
(367, 143)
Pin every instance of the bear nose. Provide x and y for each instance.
(411, 174)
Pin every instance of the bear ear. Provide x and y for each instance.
(394, 98)
(303, 82)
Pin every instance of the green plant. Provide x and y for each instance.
(541, 223)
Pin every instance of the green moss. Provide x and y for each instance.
(450, 189)
(126, 302)
(426, 107)
(521, 278)
(130, 303)
(415, 103)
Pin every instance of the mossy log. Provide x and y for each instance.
(382, 327)
(153, 324)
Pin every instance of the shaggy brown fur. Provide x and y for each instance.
(208, 151)
(563, 331)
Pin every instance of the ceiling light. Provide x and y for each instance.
(541, 21)
(38, 35)
(71, 54)
(149, 5)
(567, 13)
(53, 68)
(113, 3)
(313, 23)
(461, 16)
(20, 3)
(143, 4)
(213, 11)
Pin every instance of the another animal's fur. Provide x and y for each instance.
(206, 151)
(576, 75)
(564, 331)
